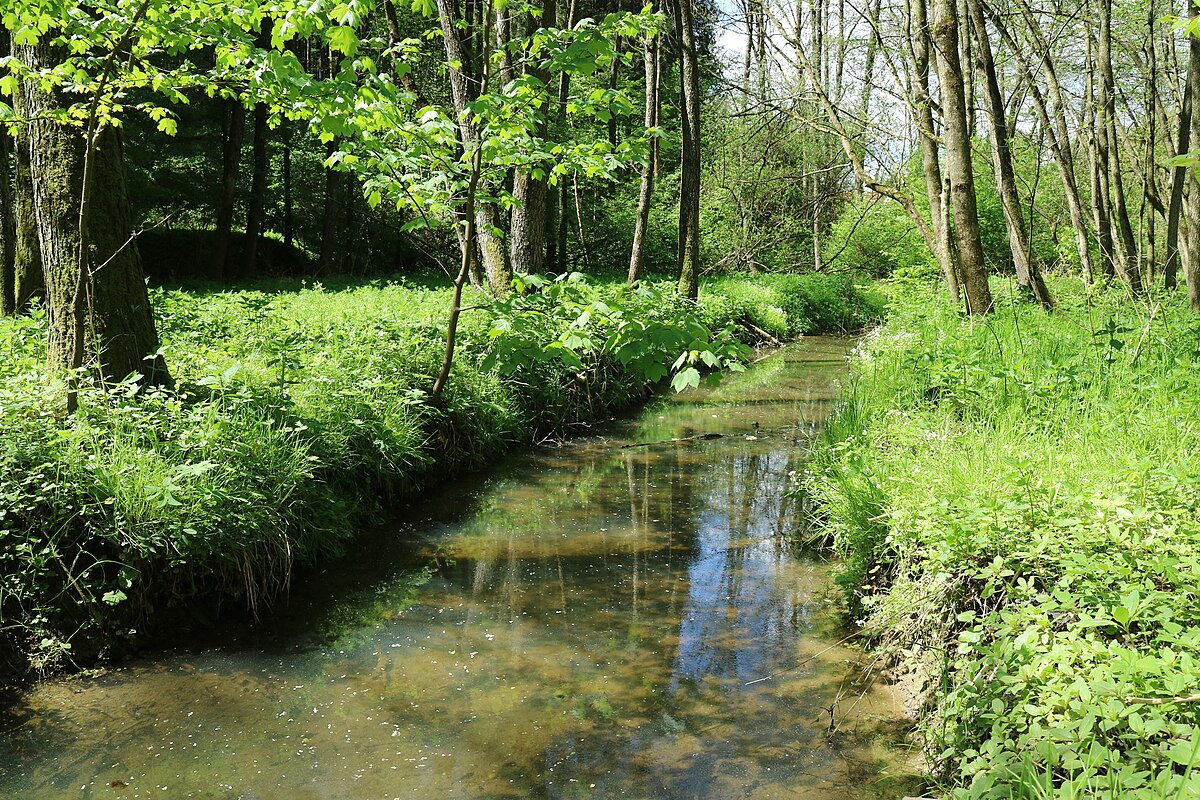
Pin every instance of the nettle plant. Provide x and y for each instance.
(649, 332)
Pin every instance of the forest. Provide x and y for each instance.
(269, 268)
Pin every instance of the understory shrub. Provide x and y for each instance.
(1017, 499)
(790, 305)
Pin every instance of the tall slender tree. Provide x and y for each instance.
(1028, 273)
(646, 189)
(959, 173)
(689, 179)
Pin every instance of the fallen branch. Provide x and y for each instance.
(759, 332)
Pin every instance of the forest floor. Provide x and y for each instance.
(1016, 499)
(299, 415)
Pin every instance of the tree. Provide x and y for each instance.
(527, 229)
(646, 188)
(689, 180)
(99, 310)
(958, 158)
(1028, 273)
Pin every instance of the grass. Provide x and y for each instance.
(1016, 499)
(299, 416)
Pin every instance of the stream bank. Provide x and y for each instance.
(588, 620)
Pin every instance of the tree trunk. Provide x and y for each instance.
(1182, 173)
(1193, 229)
(117, 337)
(256, 203)
(231, 161)
(1097, 140)
(967, 64)
(8, 226)
(289, 223)
(1126, 264)
(556, 212)
(527, 227)
(331, 212)
(1053, 118)
(689, 179)
(958, 159)
(1006, 182)
(28, 280)
(930, 164)
(462, 81)
(646, 191)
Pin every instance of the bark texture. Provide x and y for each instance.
(637, 253)
(958, 159)
(527, 226)
(931, 168)
(119, 337)
(231, 161)
(464, 87)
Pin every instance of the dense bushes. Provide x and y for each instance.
(786, 306)
(1017, 502)
(298, 416)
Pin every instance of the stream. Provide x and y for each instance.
(619, 616)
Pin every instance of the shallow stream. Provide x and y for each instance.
(621, 616)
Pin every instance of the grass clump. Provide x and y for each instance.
(1017, 500)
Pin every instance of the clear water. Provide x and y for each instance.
(592, 620)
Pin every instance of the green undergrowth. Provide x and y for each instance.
(299, 415)
(1016, 499)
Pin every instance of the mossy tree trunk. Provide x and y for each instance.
(117, 335)
(1193, 203)
(20, 256)
(465, 88)
(1182, 174)
(8, 227)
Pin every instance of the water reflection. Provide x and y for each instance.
(599, 625)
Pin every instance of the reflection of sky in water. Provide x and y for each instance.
(588, 630)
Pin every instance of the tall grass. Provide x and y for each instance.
(299, 416)
(1017, 502)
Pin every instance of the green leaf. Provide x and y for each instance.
(688, 378)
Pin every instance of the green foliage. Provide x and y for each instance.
(646, 330)
(1016, 499)
(787, 306)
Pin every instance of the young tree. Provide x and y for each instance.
(689, 179)
(1028, 273)
(646, 190)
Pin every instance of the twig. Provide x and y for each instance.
(1161, 701)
